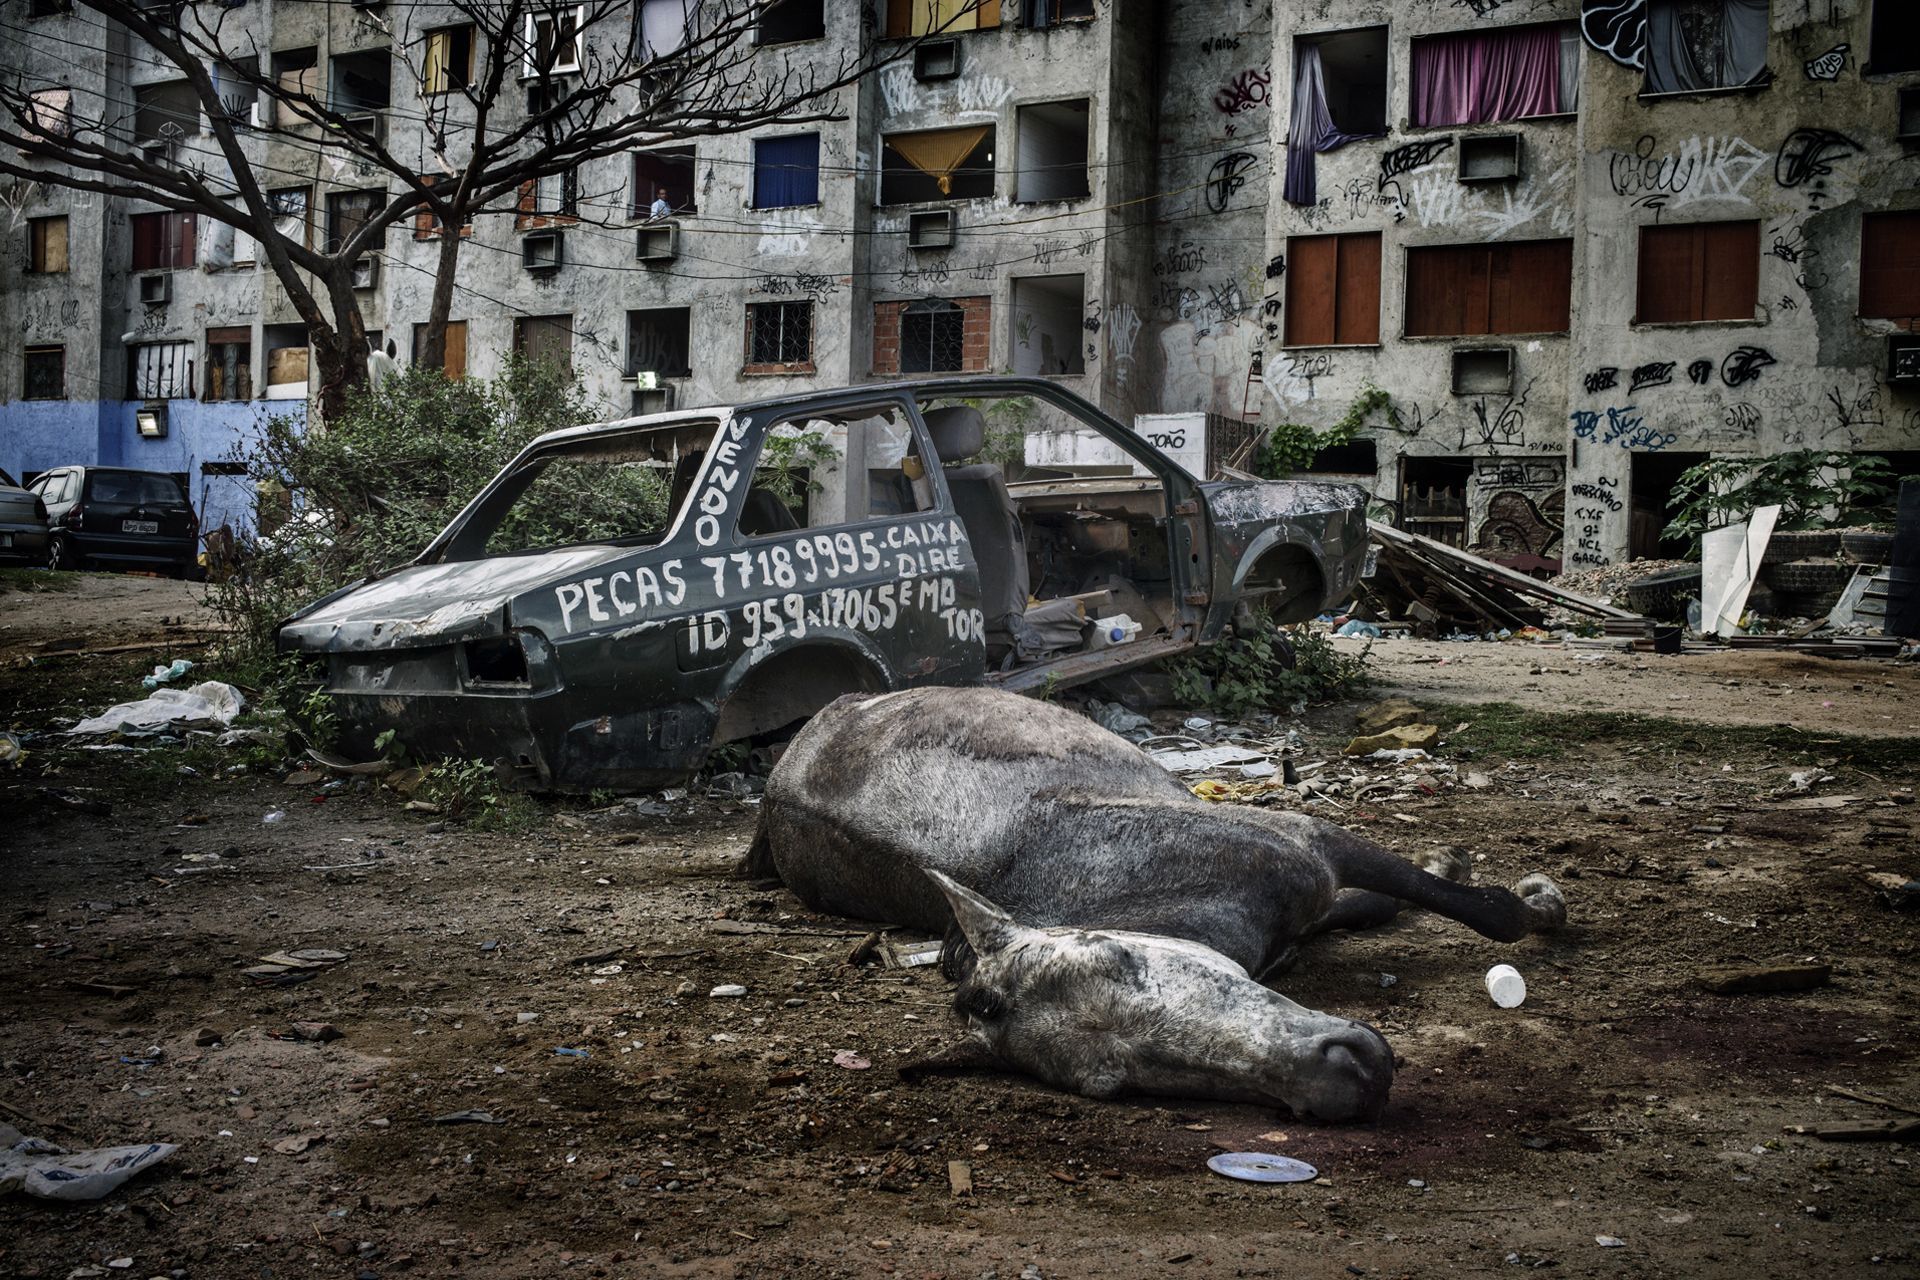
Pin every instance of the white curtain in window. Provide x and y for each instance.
(162, 370)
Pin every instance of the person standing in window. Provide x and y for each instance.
(660, 209)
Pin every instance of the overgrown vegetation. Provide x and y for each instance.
(1814, 489)
(371, 489)
(1267, 668)
(1291, 447)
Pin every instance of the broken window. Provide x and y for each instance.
(165, 112)
(225, 246)
(1048, 313)
(1339, 96)
(230, 363)
(938, 164)
(663, 175)
(1698, 271)
(454, 362)
(548, 339)
(162, 241)
(1890, 265)
(52, 113)
(48, 8)
(940, 17)
(1333, 290)
(362, 82)
(297, 72)
(660, 342)
(1507, 73)
(554, 41)
(426, 219)
(1461, 289)
(160, 371)
(779, 335)
(289, 207)
(1895, 37)
(348, 212)
(47, 245)
(784, 21)
(1038, 15)
(557, 195)
(448, 66)
(1706, 44)
(1433, 498)
(786, 171)
(817, 472)
(1052, 151)
(233, 86)
(46, 374)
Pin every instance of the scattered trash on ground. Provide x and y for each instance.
(166, 674)
(1506, 987)
(1257, 1166)
(211, 704)
(468, 1117)
(850, 1060)
(42, 1169)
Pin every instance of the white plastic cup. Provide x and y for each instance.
(1506, 986)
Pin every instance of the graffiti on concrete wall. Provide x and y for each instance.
(1516, 507)
(1617, 28)
(1828, 65)
(1621, 425)
(1807, 159)
(1699, 170)
(1593, 506)
(1228, 174)
(1247, 91)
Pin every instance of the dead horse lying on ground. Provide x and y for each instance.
(1111, 920)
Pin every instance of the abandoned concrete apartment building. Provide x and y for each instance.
(1581, 245)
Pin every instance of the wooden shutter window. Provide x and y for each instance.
(455, 364)
(1468, 290)
(1698, 272)
(1333, 290)
(1890, 266)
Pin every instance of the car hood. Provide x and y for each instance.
(430, 604)
(1238, 501)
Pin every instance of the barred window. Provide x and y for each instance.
(931, 332)
(779, 332)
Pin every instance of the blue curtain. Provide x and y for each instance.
(1313, 128)
(1715, 44)
(786, 171)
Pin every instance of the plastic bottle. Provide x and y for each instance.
(1506, 986)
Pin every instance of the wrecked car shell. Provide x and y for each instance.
(620, 666)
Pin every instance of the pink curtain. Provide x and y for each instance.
(1475, 78)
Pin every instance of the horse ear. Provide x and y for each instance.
(987, 927)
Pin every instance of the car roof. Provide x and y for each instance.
(987, 386)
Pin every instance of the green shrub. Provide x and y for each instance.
(1267, 668)
(1290, 447)
(1814, 489)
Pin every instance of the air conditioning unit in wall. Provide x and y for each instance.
(657, 242)
(930, 230)
(662, 398)
(371, 126)
(1488, 157)
(543, 251)
(936, 60)
(1903, 359)
(156, 290)
(1483, 371)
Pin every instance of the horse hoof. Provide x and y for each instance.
(1544, 896)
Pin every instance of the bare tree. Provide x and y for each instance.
(541, 88)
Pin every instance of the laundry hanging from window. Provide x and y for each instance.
(1475, 77)
(1706, 44)
(1314, 128)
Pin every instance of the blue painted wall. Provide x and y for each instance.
(38, 434)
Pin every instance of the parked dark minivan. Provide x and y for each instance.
(112, 516)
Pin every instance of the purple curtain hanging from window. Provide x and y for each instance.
(1312, 129)
(1477, 78)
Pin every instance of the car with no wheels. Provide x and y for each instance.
(624, 596)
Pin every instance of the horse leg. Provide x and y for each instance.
(1364, 909)
(1533, 904)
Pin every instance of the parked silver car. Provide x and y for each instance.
(23, 524)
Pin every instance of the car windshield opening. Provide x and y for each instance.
(620, 488)
(134, 489)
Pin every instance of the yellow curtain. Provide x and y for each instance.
(938, 17)
(939, 153)
(439, 46)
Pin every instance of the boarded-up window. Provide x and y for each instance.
(1462, 289)
(545, 338)
(160, 371)
(47, 245)
(940, 17)
(51, 113)
(161, 240)
(454, 365)
(230, 364)
(1333, 290)
(1698, 271)
(1890, 266)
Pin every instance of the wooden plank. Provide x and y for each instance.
(1512, 579)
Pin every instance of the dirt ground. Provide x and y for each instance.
(685, 1135)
